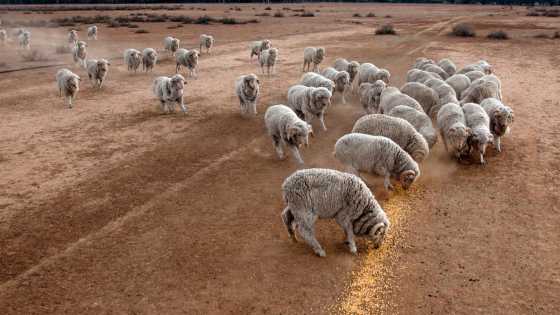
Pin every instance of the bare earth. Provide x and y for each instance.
(114, 208)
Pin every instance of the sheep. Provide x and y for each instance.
(351, 67)
(268, 58)
(481, 65)
(448, 66)
(247, 89)
(3, 36)
(426, 96)
(324, 193)
(474, 75)
(396, 129)
(433, 68)
(287, 129)
(24, 39)
(341, 80)
(92, 32)
(367, 72)
(495, 79)
(72, 37)
(501, 118)
(419, 120)
(149, 59)
(132, 59)
(188, 59)
(171, 44)
(79, 53)
(309, 102)
(479, 122)
(392, 97)
(170, 90)
(377, 155)
(258, 46)
(453, 129)
(445, 92)
(313, 79)
(370, 95)
(420, 76)
(459, 82)
(97, 71)
(480, 90)
(312, 55)
(421, 62)
(206, 41)
(68, 84)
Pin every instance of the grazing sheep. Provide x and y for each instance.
(287, 129)
(421, 76)
(149, 59)
(97, 71)
(323, 193)
(68, 84)
(170, 90)
(268, 58)
(396, 129)
(419, 63)
(419, 120)
(432, 68)
(206, 41)
(392, 97)
(72, 37)
(188, 59)
(426, 96)
(3, 36)
(313, 79)
(376, 155)
(453, 129)
(495, 79)
(24, 39)
(171, 44)
(480, 90)
(92, 32)
(370, 95)
(448, 66)
(481, 65)
(479, 122)
(351, 67)
(258, 46)
(312, 55)
(501, 117)
(367, 72)
(247, 89)
(341, 80)
(309, 102)
(79, 53)
(474, 75)
(445, 92)
(132, 59)
(459, 82)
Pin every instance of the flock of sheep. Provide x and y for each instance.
(390, 140)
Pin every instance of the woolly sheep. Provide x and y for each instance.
(453, 129)
(268, 58)
(188, 59)
(313, 79)
(421, 62)
(258, 46)
(421, 76)
(474, 75)
(92, 32)
(501, 118)
(323, 193)
(426, 96)
(171, 44)
(206, 41)
(247, 89)
(132, 59)
(72, 37)
(392, 97)
(445, 92)
(448, 66)
(79, 53)
(479, 122)
(367, 72)
(481, 65)
(287, 129)
(376, 155)
(435, 69)
(170, 90)
(459, 82)
(370, 95)
(419, 120)
(97, 71)
(351, 67)
(495, 79)
(480, 90)
(396, 129)
(312, 55)
(68, 85)
(24, 39)
(149, 59)
(341, 80)
(3, 36)
(309, 102)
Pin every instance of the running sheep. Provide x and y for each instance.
(459, 82)
(287, 129)
(370, 95)
(79, 54)
(453, 129)
(377, 155)
(312, 55)
(424, 95)
(206, 41)
(479, 122)
(268, 58)
(419, 120)
(341, 80)
(448, 66)
(188, 59)
(351, 67)
(68, 85)
(170, 91)
(247, 89)
(315, 193)
(132, 59)
(149, 59)
(72, 37)
(501, 118)
(171, 44)
(309, 102)
(97, 71)
(313, 79)
(258, 46)
(367, 72)
(392, 97)
(92, 32)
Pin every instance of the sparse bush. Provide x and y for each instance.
(371, 14)
(307, 14)
(501, 35)
(253, 21)
(278, 14)
(463, 30)
(541, 35)
(205, 19)
(268, 8)
(533, 13)
(386, 29)
(114, 24)
(552, 13)
(356, 15)
(556, 35)
(34, 55)
(132, 26)
(141, 31)
(63, 49)
(286, 9)
(230, 21)
(388, 16)
(263, 14)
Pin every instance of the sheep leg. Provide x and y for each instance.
(163, 107)
(497, 144)
(322, 120)
(288, 219)
(482, 159)
(182, 105)
(305, 229)
(387, 182)
(177, 68)
(278, 147)
(296, 154)
(69, 100)
(100, 83)
(444, 142)
(346, 224)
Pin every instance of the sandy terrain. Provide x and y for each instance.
(114, 208)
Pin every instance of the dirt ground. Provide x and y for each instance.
(113, 208)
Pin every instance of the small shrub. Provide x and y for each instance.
(132, 26)
(230, 21)
(386, 29)
(268, 8)
(62, 49)
(556, 35)
(238, 9)
(388, 16)
(253, 21)
(541, 35)
(533, 13)
(263, 14)
(356, 15)
(463, 30)
(205, 19)
(307, 14)
(114, 24)
(141, 31)
(552, 13)
(371, 14)
(34, 55)
(278, 14)
(286, 9)
(501, 35)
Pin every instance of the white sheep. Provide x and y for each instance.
(479, 122)
(481, 89)
(312, 55)
(24, 39)
(474, 75)
(426, 96)
(459, 82)
(258, 46)
(370, 95)
(313, 79)
(341, 80)
(170, 91)
(171, 44)
(97, 71)
(323, 193)
(445, 92)
(501, 118)
(419, 120)
(367, 72)
(188, 59)
(132, 59)
(287, 129)
(453, 129)
(3, 36)
(309, 102)
(72, 37)
(351, 67)
(79, 53)
(448, 66)
(206, 41)
(481, 65)
(268, 58)
(92, 32)
(149, 59)
(421, 76)
(421, 62)
(247, 89)
(392, 97)
(433, 68)
(376, 155)
(68, 85)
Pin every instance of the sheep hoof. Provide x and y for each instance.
(320, 253)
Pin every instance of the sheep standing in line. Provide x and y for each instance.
(323, 193)
(24, 39)
(453, 128)
(258, 46)
(72, 38)
(3, 36)
(287, 129)
(501, 118)
(97, 71)
(420, 76)
(68, 85)
(479, 122)
(92, 32)
(313, 79)
(79, 53)
(247, 89)
(312, 55)
(132, 59)
(445, 92)
(171, 44)
(419, 120)
(496, 80)
(370, 95)
(268, 58)
(448, 66)
(188, 59)
(170, 91)
(309, 102)
(459, 82)
(341, 80)
(396, 129)
(424, 95)
(480, 90)
(351, 67)
(149, 59)
(433, 68)
(392, 97)
(474, 75)
(367, 72)
(419, 63)
(377, 155)
(206, 41)
(481, 65)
